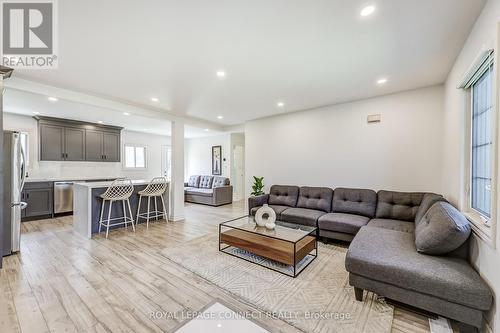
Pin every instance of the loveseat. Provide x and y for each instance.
(383, 256)
(208, 190)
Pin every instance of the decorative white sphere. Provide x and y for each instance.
(271, 216)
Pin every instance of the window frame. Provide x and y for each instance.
(483, 227)
(135, 146)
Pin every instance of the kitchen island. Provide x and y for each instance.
(87, 205)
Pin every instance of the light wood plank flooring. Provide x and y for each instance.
(61, 282)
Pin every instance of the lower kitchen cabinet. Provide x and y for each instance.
(40, 199)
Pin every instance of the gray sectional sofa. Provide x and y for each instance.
(208, 190)
(409, 247)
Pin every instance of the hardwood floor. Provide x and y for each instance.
(62, 282)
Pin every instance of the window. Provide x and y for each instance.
(135, 157)
(481, 144)
(480, 176)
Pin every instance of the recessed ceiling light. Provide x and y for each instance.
(367, 11)
(220, 117)
(280, 104)
(382, 81)
(206, 130)
(100, 121)
(126, 114)
(221, 74)
(155, 99)
(36, 112)
(53, 99)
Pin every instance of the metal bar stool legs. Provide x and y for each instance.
(156, 188)
(120, 190)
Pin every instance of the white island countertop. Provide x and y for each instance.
(108, 183)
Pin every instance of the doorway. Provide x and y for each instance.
(166, 161)
(238, 172)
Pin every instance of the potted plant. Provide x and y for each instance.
(258, 186)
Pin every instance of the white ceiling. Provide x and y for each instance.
(30, 104)
(307, 53)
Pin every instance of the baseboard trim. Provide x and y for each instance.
(175, 218)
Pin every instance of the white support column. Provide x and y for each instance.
(177, 181)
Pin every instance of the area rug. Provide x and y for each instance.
(318, 300)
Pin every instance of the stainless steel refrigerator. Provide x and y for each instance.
(14, 175)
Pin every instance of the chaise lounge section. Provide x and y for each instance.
(208, 190)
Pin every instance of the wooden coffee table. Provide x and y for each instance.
(291, 245)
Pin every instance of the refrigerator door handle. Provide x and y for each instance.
(23, 171)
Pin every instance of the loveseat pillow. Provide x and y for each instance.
(194, 181)
(441, 230)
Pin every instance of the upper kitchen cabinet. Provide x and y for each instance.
(69, 140)
(102, 146)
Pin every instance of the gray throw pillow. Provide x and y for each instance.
(442, 230)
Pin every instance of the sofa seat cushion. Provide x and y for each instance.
(396, 225)
(391, 257)
(340, 222)
(442, 229)
(277, 209)
(204, 192)
(302, 216)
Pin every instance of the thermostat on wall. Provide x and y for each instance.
(374, 118)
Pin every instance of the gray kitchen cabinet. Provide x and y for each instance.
(93, 146)
(51, 142)
(102, 146)
(69, 140)
(74, 144)
(40, 199)
(111, 147)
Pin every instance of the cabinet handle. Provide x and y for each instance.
(27, 195)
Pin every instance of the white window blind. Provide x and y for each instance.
(135, 157)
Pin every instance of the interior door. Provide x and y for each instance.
(51, 143)
(111, 147)
(238, 172)
(74, 144)
(93, 146)
(166, 161)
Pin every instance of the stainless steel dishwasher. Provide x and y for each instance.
(63, 197)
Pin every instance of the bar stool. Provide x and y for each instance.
(120, 190)
(156, 188)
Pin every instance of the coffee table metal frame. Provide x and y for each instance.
(296, 272)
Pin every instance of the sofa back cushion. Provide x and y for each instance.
(283, 195)
(442, 230)
(354, 201)
(398, 205)
(220, 181)
(206, 181)
(194, 181)
(317, 198)
(428, 200)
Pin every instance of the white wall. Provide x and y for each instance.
(76, 170)
(484, 35)
(198, 155)
(334, 146)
